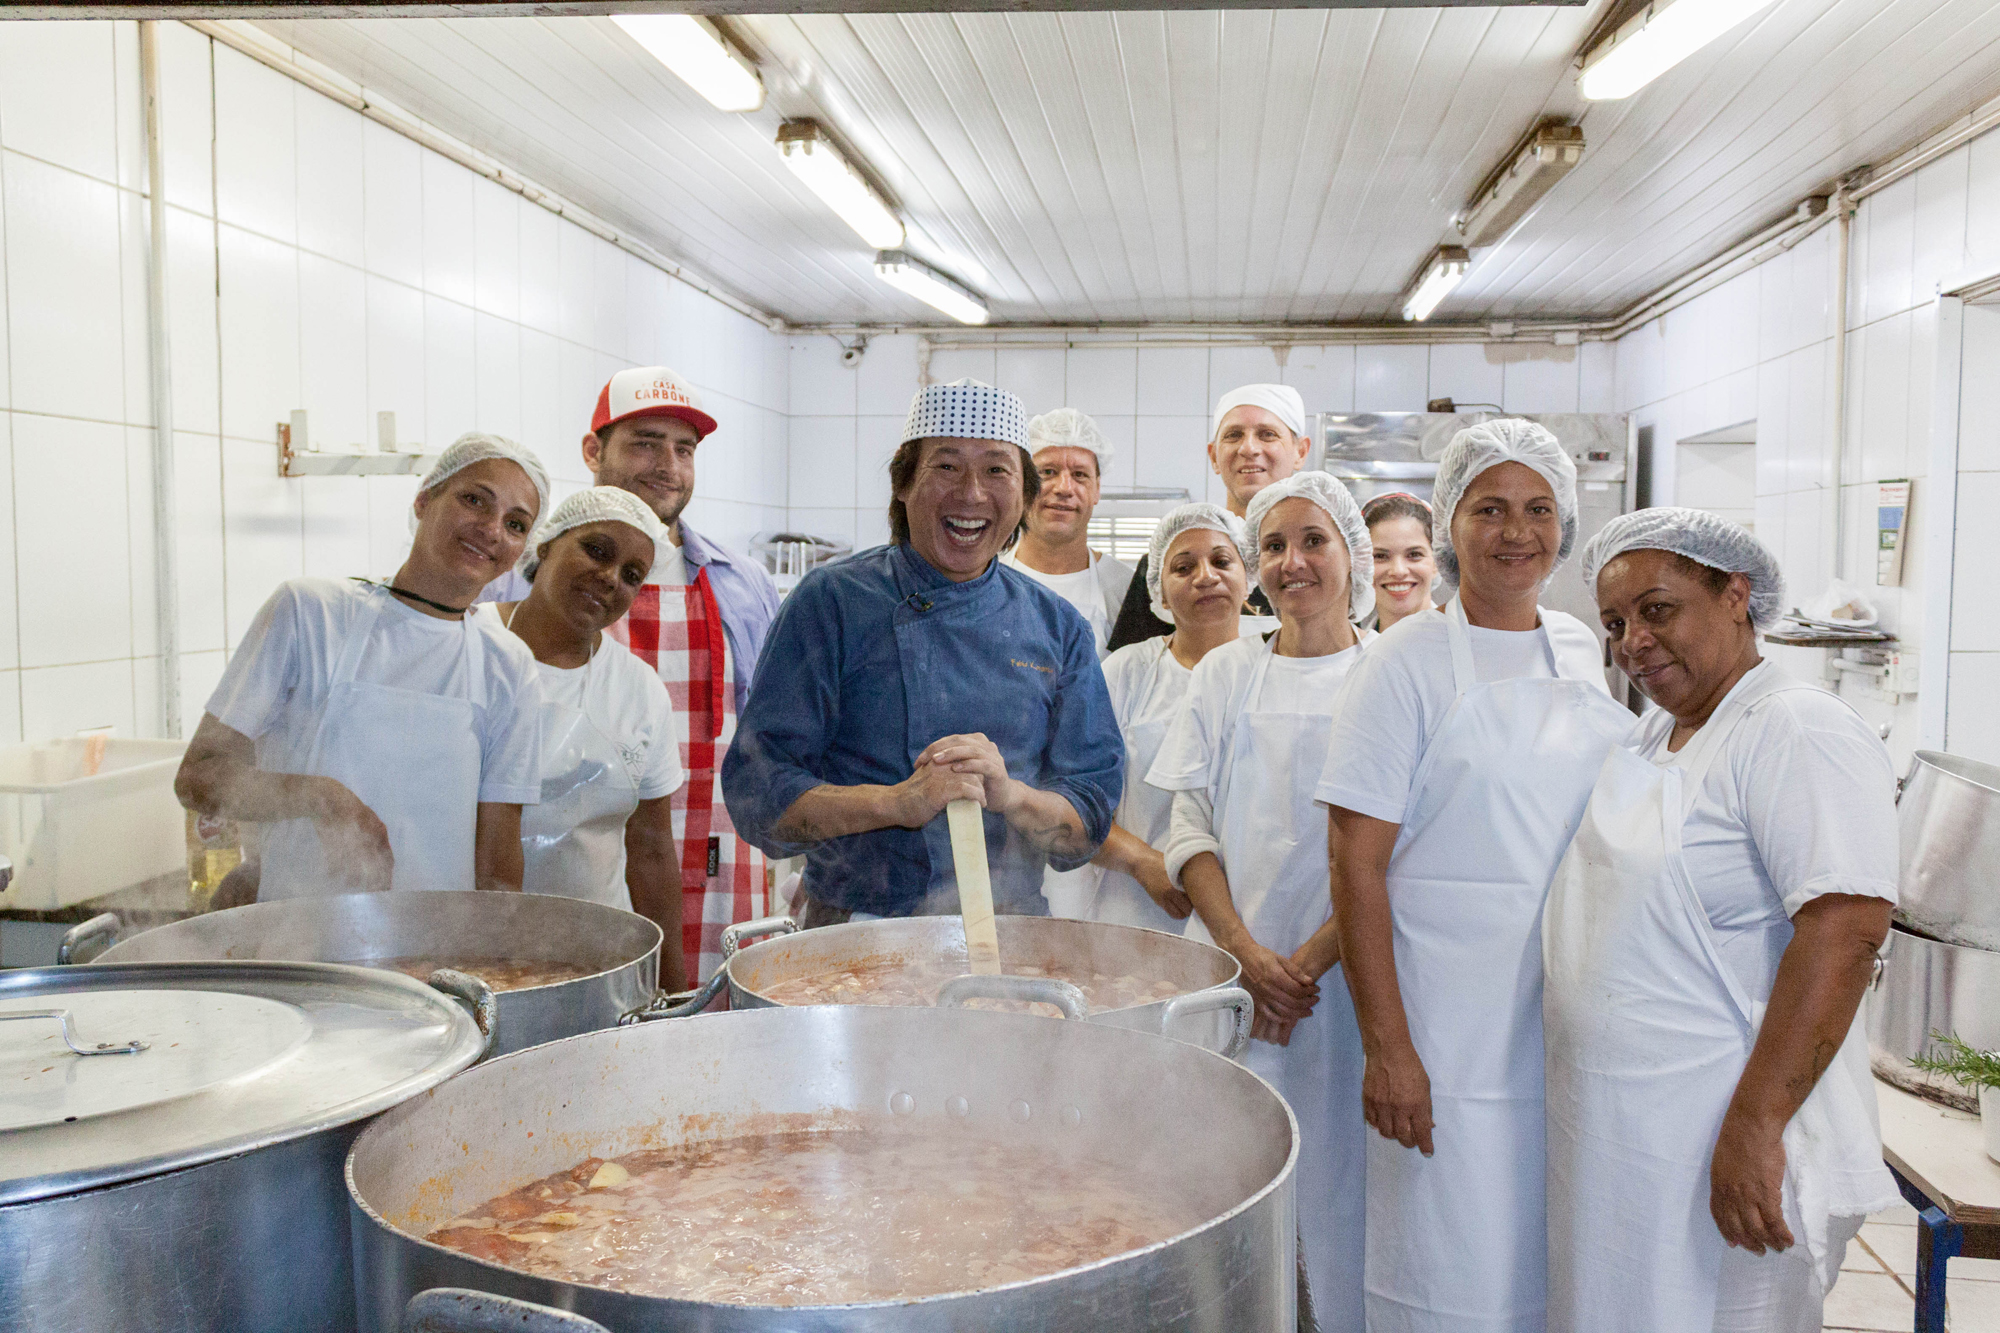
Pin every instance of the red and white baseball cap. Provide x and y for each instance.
(650, 391)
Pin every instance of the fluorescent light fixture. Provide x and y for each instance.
(1656, 39)
(695, 49)
(928, 285)
(827, 173)
(1441, 272)
(1505, 199)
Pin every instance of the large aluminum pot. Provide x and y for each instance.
(1222, 1132)
(175, 1135)
(621, 948)
(1924, 986)
(1948, 820)
(1054, 944)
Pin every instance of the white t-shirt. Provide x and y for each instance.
(1800, 802)
(274, 689)
(626, 701)
(1081, 590)
(670, 566)
(1404, 687)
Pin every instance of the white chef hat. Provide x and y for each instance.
(594, 504)
(1490, 443)
(1187, 518)
(1705, 538)
(476, 447)
(1326, 491)
(966, 409)
(1280, 400)
(1067, 428)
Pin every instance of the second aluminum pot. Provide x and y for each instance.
(622, 949)
(1925, 986)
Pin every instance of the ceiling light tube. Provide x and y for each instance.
(938, 290)
(1654, 40)
(827, 173)
(1441, 272)
(1546, 158)
(695, 49)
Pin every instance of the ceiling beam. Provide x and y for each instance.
(363, 9)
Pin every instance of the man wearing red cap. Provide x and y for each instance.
(700, 621)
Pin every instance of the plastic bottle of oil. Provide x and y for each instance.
(215, 847)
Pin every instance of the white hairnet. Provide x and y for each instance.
(1187, 518)
(596, 504)
(1475, 449)
(475, 447)
(1705, 538)
(1280, 400)
(1067, 428)
(1326, 491)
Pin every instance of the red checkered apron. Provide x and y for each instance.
(722, 876)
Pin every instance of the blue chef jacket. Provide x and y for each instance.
(873, 658)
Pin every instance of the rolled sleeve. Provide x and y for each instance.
(264, 669)
(784, 731)
(1190, 832)
(1086, 754)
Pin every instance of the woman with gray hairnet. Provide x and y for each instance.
(1462, 757)
(380, 735)
(1737, 859)
(1244, 845)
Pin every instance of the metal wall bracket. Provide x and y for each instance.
(298, 458)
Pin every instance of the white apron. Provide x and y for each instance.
(573, 843)
(1144, 810)
(1457, 1241)
(1648, 1033)
(1274, 851)
(411, 757)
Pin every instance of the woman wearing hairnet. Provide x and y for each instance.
(1708, 940)
(381, 735)
(1196, 580)
(1245, 846)
(603, 831)
(1461, 760)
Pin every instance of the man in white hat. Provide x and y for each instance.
(1069, 457)
(699, 620)
(1260, 437)
(921, 672)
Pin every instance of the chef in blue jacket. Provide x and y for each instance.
(919, 672)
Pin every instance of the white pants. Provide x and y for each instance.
(1777, 1292)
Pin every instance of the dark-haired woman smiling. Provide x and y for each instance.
(1708, 939)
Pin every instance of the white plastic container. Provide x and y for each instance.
(1989, 1120)
(73, 836)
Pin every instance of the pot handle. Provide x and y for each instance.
(1881, 962)
(477, 996)
(685, 1004)
(1233, 998)
(1042, 990)
(459, 1310)
(103, 926)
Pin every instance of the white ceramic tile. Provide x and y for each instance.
(1770, 521)
(1597, 377)
(947, 364)
(821, 386)
(1102, 381)
(1721, 477)
(142, 539)
(1036, 374)
(1889, 258)
(49, 456)
(1982, 203)
(876, 441)
(1737, 330)
(576, 284)
(57, 95)
(396, 361)
(1883, 422)
(256, 147)
(1940, 224)
(682, 328)
(577, 387)
(1809, 448)
(331, 179)
(1972, 723)
(1173, 381)
(1774, 389)
(822, 469)
(1733, 398)
(64, 304)
(1775, 324)
(871, 527)
(261, 531)
(10, 633)
(333, 353)
(1465, 373)
(1391, 377)
(1233, 367)
(63, 700)
(1172, 451)
(259, 334)
(393, 205)
(497, 376)
(646, 306)
(1975, 601)
(545, 428)
(191, 310)
(198, 531)
(838, 524)
(1683, 356)
(389, 501)
(200, 674)
(1324, 376)
(608, 270)
(1922, 382)
(540, 262)
(886, 379)
(334, 527)
(1120, 433)
(1538, 378)
(187, 111)
(135, 306)
(1808, 554)
(450, 372)
(1978, 405)
(448, 230)
(128, 115)
(10, 706)
(496, 237)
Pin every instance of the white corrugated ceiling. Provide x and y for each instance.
(1246, 165)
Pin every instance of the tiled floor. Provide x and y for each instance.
(1877, 1287)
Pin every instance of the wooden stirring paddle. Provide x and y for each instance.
(975, 886)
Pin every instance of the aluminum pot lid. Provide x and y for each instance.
(119, 1071)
